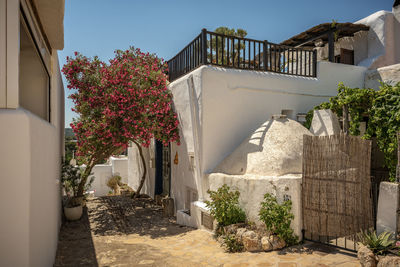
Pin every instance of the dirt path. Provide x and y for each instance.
(119, 231)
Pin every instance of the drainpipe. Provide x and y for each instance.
(331, 46)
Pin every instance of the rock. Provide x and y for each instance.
(324, 122)
(366, 257)
(276, 242)
(251, 241)
(388, 261)
(231, 229)
(265, 244)
(239, 234)
(168, 207)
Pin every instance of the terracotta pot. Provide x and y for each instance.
(74, 213)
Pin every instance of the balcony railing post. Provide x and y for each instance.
(265, 48)
(204, 46)
(314, 63)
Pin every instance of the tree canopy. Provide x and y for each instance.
(124, 100)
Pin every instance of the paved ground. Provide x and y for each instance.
(119, 231)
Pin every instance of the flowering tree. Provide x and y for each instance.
(124, 100)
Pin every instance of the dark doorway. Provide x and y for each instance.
(163, 169)
(346, 57)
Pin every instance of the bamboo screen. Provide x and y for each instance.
(336, 186)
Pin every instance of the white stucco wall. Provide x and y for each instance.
(373, 49)
(30, 171)
(101, 173)
(30, 158)
(235, 102)
(225, 105)
(389, 74)
(135, 169)
(119, 167)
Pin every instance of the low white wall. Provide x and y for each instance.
(120, 167)
(30, 161)
(253, 188)
(101, 173)
(135, 169)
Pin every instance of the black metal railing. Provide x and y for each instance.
(242, 53)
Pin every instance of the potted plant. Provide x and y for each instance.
(71, 177)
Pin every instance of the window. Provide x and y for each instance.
(34, 78)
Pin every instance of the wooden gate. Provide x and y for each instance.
(336, 189)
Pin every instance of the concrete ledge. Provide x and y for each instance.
(388, 205)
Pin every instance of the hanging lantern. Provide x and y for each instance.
(176, 161)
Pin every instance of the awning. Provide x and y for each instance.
(322, 31)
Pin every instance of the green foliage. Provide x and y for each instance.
(224, 206)
(234, 48)
(358, 100)
(70, 148)
(277, 218)
(378, 244)
(384, 123)
(71, 178)
(382, 107)
(114, 182)
(231, 244)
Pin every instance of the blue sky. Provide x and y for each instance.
(98, 27)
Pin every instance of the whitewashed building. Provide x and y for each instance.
(224, 88)
(31, 131)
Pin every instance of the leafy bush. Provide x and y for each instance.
(277, 218)
(224, 206)
(378, 244)
(114, 183)
(71, 178)
(382, 109)
(231, 244)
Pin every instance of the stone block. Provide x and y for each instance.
(389, 261)
(251, 241)
(388, 205)
(277, 242)
(265, 244)
(324, 122)
(168, 207)
(366, 257)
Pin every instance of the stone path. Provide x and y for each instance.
(119, 231)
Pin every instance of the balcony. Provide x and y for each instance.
(210, 48)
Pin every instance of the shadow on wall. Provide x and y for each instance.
(254, 144)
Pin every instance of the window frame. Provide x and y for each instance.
(25, 23)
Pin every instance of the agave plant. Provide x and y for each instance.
(378, 244)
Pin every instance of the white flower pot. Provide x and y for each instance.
(73, 214)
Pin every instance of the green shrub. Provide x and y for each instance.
(114, 182)
(231, 244)
(277, 218)
(224, 206)
(382, 109)
(378, 244)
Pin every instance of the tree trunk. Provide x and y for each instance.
(84, 177)
(144, 170)
(345, 119)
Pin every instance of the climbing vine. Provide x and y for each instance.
(381, 107)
